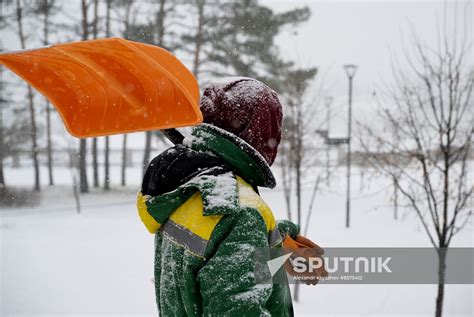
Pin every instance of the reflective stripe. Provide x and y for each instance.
(191, 229)
(274, 238)
(190, 216)
(185, 238)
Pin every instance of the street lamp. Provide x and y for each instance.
(350, 72)
(328, 101)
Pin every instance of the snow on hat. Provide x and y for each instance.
(247, 108)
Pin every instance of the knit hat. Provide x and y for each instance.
(247, 108)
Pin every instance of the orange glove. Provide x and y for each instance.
(303, 247)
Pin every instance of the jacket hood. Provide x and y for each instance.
(176, 166)
(238, 154)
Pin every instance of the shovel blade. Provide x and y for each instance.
(111, 86)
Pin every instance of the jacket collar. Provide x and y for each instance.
(218, 188)
(240, 155)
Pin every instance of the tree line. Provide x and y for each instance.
(214, 38)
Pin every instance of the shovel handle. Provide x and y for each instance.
(173, 135)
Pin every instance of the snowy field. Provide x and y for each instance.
(57, 262)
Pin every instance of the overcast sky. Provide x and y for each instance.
(365, 33)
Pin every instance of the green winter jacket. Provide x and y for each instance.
(207, 231)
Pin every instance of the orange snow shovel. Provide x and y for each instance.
(111, 86)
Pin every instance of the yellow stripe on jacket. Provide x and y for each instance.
(190, 214)
(150, 223)
(249, 198)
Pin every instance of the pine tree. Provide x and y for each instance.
(237, 38)
(19, 17)
(47, 9)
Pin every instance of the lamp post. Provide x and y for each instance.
(328, 101)
(350, 70)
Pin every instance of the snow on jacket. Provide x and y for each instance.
(201, 202)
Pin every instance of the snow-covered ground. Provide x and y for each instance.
(99, 262)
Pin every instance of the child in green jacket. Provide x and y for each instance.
(201, 201)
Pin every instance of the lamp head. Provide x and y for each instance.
(350, 70)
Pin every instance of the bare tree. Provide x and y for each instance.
(30, 96)
(95, 161)
(427, 138)
(14, 127)
(83, 183)
(48, 108)
(317, 182)
(2, 146)
(47, 8)
(286, 166)
(298, 122)
(299, 128)
(107, 138)
(160, 34)
(72, 169)
(2, 101)
(193, 42)
(127, 21)
(395, 181)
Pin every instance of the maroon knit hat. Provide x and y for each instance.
(247, 108)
